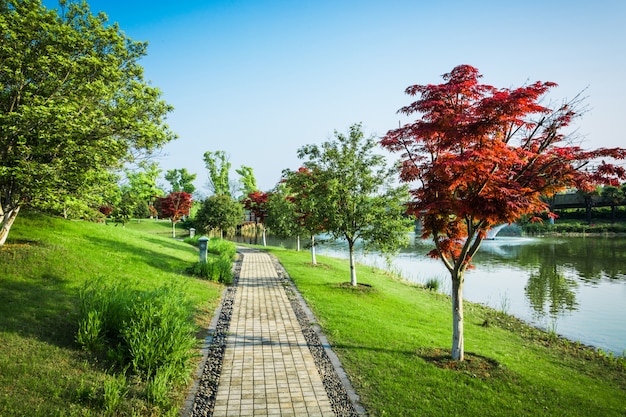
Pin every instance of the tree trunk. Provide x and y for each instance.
(264, 240)
(6, 221)
(612, 213)
(352, 263)
(313, 259)
(298, 243)
(458, 348)
(174, 230)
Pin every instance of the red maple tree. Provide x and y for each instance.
(256, 203)
(484, 156)
(176, 205)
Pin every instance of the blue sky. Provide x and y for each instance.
(259, 79)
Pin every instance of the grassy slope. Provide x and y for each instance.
(42, 267)
(390, 337)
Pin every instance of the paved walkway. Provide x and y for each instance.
(268, 369)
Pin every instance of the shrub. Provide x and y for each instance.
(218, 268)
(144, 331)
(214, 269)
(432, 284)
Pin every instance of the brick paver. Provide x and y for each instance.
(268, 369)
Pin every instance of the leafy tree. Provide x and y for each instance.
(483, 156)
(308, 191)
(589, 197)
(73, 104)
(124, 207)
(358, 199)
(175, 206)
(181, 180)
(219, 212)
(219, 170)
(281, 218)
(142, 186)
(247, 179)
(614, 196)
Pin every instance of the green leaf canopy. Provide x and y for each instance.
(73, 104)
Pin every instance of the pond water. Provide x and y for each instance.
(575, 287)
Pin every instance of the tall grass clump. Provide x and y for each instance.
(218, 267)
(149, 332)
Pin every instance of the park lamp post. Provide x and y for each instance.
(203, 244)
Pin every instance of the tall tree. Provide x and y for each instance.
(482, 156)
(174, 206)
(73, 103)
(248, 181)
(219, 172)
(181, 180)
(358, 199)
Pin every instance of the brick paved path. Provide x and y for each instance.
(268, 369)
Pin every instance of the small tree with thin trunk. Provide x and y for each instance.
(356, 197)
(483, 156)
(174, 207)
(306, 188)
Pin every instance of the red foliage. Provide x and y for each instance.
(174, 206)
(106, 210)
(256, 202)
(483, 156)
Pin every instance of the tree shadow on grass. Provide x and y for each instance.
(474, 365)
(153, 258)
(42, 307)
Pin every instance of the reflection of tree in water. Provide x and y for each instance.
(549, 289)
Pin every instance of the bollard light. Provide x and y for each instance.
(203, 244)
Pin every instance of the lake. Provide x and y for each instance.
(573, 286)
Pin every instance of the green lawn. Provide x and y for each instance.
(44, 264)
(393, 339)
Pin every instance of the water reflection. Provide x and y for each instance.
(550, 291)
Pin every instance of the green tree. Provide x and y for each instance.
(219, 172)
(614, 196)
(73, 104)
(308, 198)
(142, 187)
(357, 198)
(248, 181)
(219, 212)
(281, 218)
(181, 180)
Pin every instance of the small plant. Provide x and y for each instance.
(505, 303)
(432, 284)
(115, 389)
(157, 387)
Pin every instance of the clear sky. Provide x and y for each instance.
(259, 79)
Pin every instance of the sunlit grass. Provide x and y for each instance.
(394, 340)
(43, 266)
